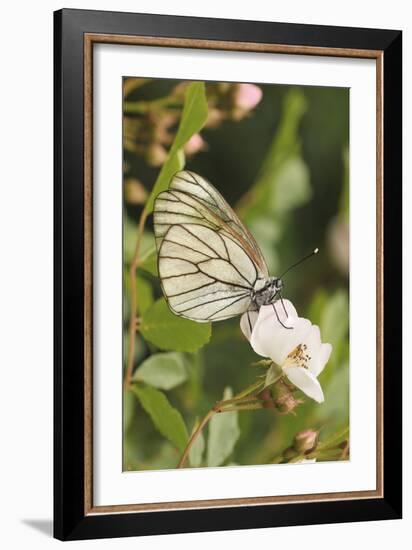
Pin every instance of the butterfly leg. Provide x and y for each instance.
(250, 324)
(283, 305)
(277, 316)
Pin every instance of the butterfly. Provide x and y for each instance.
(209, 264)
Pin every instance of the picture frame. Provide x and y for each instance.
(76, 33)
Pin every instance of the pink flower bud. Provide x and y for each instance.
(266, 397)
(247, 96)
(287, 403)
(156, 155)
(305, 441)
(195, 144)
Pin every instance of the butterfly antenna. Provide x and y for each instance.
(299, 262)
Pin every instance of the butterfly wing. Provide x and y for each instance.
(192, 199)
(208, 261)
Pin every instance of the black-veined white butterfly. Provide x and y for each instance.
(210, 266)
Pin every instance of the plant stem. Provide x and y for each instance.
(251, 405)
(228, 405)
(275, 380)
(133, 326)
(194, 436)
(247, 391)
(232, 401)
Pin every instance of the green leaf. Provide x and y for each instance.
(167, 331)
(144, 294)
(329, 455)
(334, 412)
(162, 370)
(129, 239)
(267, 231)
(292, 187)
(317, 307)
(335, 440)
(335, 318)
(344, 201)
(286, 143)
(173, 163)
(166, 418)
(336, 390)
(130, 231)
(197, 449)
(148, 261)
(223, 434)
(273, 374)
(194, 116)
(276, 190)
(128, 409)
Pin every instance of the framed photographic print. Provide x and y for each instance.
(227, 274)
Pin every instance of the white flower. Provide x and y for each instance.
(298, 349)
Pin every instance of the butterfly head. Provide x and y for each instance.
(277, 283)
(268, 291)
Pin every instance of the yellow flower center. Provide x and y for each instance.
(298, 357)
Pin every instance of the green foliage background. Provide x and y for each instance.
(285, 170)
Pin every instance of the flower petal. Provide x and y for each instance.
(294, 337)
(247, 322)
(286, 312)
(316, 367)
(272, 340)
(313, 343)
(280, 316)
(249, 318)
(306, 382)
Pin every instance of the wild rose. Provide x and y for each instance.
(291, 342)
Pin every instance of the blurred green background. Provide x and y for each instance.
(282, 163)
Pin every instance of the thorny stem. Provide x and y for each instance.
(234, 401)
(194, 436)
(251, 405)
(245, 400)
(133, 324)
(245, 403)
(247, 391)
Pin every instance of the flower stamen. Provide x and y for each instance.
(298, 357)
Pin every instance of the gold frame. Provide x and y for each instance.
(89, 40)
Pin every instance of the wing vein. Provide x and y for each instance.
(204, 251)
(243, 295)
(225, 307)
